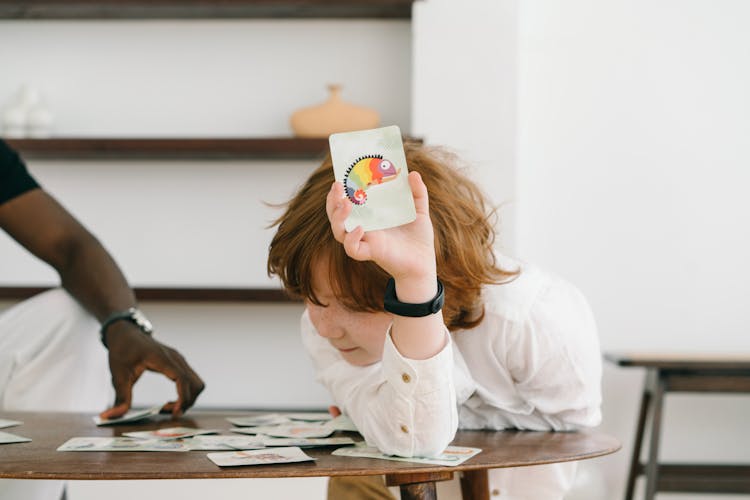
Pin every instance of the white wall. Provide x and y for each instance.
(204, 77)
(616, 130)
(633, 169)
(201, 223)
(176, 223)
(464, 98)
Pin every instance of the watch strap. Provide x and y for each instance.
(134, 315)
(395, 306)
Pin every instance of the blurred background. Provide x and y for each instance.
(613, 135)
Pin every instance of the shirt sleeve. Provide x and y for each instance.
(14, 177)
(402, 406)
(554, 358)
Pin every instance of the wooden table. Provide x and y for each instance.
(680, 372)
(40, 460)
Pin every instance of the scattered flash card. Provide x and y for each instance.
(453, 455)
(259, 457)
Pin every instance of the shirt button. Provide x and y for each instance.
(405, 377)
(495, 492)
(404, 429)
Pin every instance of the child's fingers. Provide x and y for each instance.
(419, 191)
(354, 245)
(337, 209)
(331, 200)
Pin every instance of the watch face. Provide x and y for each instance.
(140, 319)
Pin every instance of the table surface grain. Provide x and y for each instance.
(39, 459)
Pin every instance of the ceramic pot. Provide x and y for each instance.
(332, 116)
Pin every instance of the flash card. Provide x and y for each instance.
(130, 416)
(258, 420)
(371, 165)
(289, 431)
(221, 443)
(307, 442)
(8, 423)
(169, 433)
(259, 457)
(121, 444)
(341, 423)
(453, 455)
(7, 437)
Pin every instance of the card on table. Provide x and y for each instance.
(453, 455)
(131, 416)
(169, 433)
(309, 416)
(220, 443)
(121, 444)
(258, 420)
(371, 165)
(8, 423)
(307, 442)
(259, 457)
(290, 431)
(8, 438)
(341, 423)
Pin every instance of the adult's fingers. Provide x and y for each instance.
(122, 381)
(195, 383)
(189, 384)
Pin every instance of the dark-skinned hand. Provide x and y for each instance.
(131, 352)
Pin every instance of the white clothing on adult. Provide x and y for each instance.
(533, 363)
(50, 360)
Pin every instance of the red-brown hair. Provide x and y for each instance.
(464, 236)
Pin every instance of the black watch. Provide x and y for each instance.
(395, 306)
(134, 315)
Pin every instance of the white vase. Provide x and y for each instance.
(16, 116)
(14, 121)
(39, 121)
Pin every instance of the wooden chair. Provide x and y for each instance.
(474, 484)
(683, 373)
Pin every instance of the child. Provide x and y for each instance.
(512, 347)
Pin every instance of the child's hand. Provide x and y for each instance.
(405, 252)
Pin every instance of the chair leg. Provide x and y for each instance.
(418, 486)
(475, 485)
(418, 491)
(652, 468)
(635, 459)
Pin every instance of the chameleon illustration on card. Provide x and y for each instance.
(371, 165)
(364, 172)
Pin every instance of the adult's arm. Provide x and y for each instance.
(88, 272)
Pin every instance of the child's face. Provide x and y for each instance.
(358, 336)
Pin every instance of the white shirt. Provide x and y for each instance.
(533, 363)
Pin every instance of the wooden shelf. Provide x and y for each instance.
(171, 149)
(148, 294)
(193, 9)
